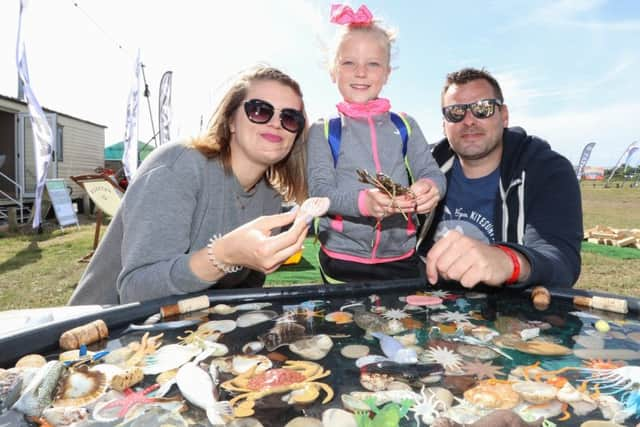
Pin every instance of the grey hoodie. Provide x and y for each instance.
(346, 233)
(178, 200)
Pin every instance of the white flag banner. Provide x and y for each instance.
(130, 155)
(630, 149)
(584, 158)
(164, 110)
(42, 134)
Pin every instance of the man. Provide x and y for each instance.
(512, 215)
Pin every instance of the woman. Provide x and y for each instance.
(200, 215)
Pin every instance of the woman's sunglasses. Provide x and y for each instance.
(261, 112)
(482, 109)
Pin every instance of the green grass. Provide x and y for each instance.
(305, 272)
(610, 251)
(42, 270)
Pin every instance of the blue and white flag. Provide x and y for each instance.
(130, 155)
(584, 158)
(42, 134)
(164, 108)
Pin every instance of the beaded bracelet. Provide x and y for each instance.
(515, 274)
(225, 268)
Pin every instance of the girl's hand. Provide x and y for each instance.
(377, 203)
(427, 195)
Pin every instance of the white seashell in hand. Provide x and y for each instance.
(314, 206)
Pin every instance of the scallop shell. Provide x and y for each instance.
(80, 387)
(306, 422)
(476, 352)
(282, 334)
(64, 416)
(489, 395)
(354, 351)
(313, 348)
(119, 355)
(339, 317)
(550, 410)
(31, 361)
(314, 206)
(224, 326)
(245, 422)
(535, 392)
(255, 317)
(353, 404)
(223, 309)
(108, 370)
(338, 417)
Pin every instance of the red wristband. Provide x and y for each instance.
(515, 261)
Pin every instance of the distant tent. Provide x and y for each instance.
(114, 152)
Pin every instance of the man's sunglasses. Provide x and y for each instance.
(259, 111)
(482, 109)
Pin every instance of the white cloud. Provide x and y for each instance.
(613, 127)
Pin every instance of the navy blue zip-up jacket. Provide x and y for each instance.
(538, 208)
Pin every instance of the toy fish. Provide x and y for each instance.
(39, 393)
(394, 350)
(175, 324)
(197, 387)
(408, 372)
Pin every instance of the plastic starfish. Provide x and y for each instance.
(447, 358)
(445, 295)
(451, 316)
(395, 313)
(482, 370)
(132, 398)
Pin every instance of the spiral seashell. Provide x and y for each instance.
(282, 334)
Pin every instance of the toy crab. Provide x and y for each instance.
(383, 182)
(296, 376)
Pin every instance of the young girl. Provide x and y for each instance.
(368, 235)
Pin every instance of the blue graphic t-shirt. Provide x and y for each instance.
(469, 205)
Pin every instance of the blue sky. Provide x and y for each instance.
(568, 68)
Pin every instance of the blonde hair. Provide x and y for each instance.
(288, 176)
(386, 35)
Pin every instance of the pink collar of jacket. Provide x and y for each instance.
(368, 109)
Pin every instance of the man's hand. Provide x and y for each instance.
(469, 262)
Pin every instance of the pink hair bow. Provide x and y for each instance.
(343, 15)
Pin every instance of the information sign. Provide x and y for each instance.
(61, 201)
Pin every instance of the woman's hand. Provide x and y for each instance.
(253, 246)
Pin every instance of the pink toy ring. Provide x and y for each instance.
(423, 300)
